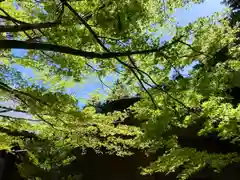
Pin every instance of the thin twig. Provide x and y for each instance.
(26, 104)
(20, 118)
(8, 17)
(15, 21)
(151, 97)
(194, 49)
(11, 90)
(127, 65)
(4, 111)
(99, 77)
(25, 27)
(17, 93)
(157, 86)
(12, 109)
(105, 48)
(167, 59)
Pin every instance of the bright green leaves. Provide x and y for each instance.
(191, 160)
(222, 117)
(121, 17)
(122, 26)
(158, 123)
(5, 141)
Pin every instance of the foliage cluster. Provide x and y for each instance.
(66, 41)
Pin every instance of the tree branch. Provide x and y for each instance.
(25, 134)
(99, 77)
(4, 111)
(106, 49)
(141, 83)
(16, 94)
(20, 118)
(25, 27)
(11, 109)
(7, 88)
(9, 18)
(9, 44)
(15, 21)
(199, 52)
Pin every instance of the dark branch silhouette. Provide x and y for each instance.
(19, 118)
(9, 44)
(9, 18)
(7, 109)
(25, 27)
(131, 68)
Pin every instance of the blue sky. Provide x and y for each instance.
(207, 8)
(183, 17)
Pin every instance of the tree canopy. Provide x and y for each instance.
(152, 108)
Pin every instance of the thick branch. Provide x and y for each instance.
(25, 27)
(9, 44)
(106, 49)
